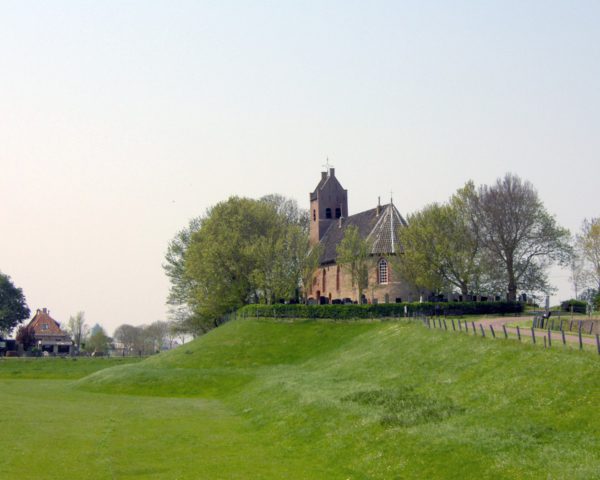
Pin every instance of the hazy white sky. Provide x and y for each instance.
(119, 121)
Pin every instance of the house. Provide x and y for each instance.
(329, 221)
(48, 335)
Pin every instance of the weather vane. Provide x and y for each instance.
(327, 165)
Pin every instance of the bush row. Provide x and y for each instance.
(380, 310)
(579, 306)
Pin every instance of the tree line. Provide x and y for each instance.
(489, 239)
(492, 239)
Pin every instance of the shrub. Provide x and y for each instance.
(380, 310)
(579, 306)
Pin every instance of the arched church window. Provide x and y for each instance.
(314, 215)
(337, 278)
(338, 212)
(328, 213)
(383, 271)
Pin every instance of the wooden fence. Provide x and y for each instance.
(469, 327)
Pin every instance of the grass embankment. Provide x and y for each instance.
(266, 399)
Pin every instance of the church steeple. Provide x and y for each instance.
(328, 202)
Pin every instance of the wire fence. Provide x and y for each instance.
(547, 336)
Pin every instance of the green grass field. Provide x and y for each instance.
(308, 400)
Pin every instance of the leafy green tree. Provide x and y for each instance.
(441, 248)
(245, 250)
(310, 264)
(174, 265)
(353, 255)
(519, 238)
(98, 341)
(13, 307)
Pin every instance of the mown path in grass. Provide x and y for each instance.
(307, 399)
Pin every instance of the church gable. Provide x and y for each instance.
(378, 225)
(384, 236)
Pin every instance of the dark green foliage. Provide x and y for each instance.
(579, 306)
(13, 307)
(380, 310)
(403, 407)
(26, 337)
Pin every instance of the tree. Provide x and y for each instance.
(588, 248)
(155, 334)
(13, 307)
(310, 264)
(353, 255)
(518, 236)
(245, 250)
(131, 338)
(25, 336)
(174, 265)
(78, 329)
(441, 247)
(98, 341)
(578, 275)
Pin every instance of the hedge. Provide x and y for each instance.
(379, 310)
(579, 306)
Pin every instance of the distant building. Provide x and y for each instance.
(329, 221)
(48, 335)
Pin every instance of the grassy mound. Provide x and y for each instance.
(308, 399)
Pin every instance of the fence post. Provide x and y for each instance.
(505, 332)
(598, 343)
(549, 337)
(564, 340)
(445, 326)
(474, 330)
(518, 333)
(492, 330)
(533, 334)
(580, 340)
(459, 326)
(591, 327)
(482, 330)
(544, 341)
(453, 326)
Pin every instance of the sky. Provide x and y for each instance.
(120, 121)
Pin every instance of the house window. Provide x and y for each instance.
(45, 326)
(338, 212)
(383, 271)
(328, 213)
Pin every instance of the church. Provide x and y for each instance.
(329, 221)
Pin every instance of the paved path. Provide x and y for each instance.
(497, 323)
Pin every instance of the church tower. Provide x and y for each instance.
(328, 202)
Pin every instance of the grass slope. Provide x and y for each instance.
(267, 399)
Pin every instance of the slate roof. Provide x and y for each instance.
(379, 230)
